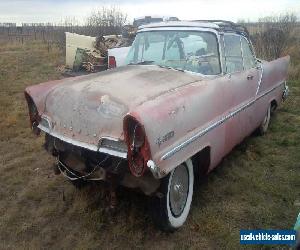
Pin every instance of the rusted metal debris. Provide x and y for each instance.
(90, 53)
(103, 43)
(93, 61)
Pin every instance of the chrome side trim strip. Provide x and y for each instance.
(260, 79)
(83, 144)
(214, 125)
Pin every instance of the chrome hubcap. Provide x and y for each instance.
(179, 189)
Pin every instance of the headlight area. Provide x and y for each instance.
(33, 114)
(138, 152)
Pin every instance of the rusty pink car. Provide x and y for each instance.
(189, 93)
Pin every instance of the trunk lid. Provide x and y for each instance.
(94, 106)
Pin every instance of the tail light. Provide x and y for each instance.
(112, 62)
(33, 114)
(138, 148)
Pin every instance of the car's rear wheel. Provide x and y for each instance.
(172, 206)
(263, 127)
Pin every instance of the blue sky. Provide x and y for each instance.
(55, 11)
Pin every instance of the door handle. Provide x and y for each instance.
(249, 77)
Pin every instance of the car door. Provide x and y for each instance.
(253, 73)
(239, 90)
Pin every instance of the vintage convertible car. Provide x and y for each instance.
(189, 93)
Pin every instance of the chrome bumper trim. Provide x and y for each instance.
(84, 144)
(155, 170)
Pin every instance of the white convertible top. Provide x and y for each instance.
(180, 24)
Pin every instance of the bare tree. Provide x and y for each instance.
(69, 21)
(107, 20)
(273, 34)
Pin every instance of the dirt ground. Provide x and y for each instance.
(256, 187)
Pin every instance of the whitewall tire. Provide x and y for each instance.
(171, 208)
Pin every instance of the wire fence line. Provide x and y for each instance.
(50, 33)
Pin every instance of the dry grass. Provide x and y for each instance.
(256, 186)
(294, 52)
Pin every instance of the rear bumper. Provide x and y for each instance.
(101, 149)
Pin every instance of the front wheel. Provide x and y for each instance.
(172, 206)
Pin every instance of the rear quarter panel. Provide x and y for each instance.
(174, 118)
(271, 86)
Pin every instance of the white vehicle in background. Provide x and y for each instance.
(117, 56)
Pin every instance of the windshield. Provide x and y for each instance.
(195, 51)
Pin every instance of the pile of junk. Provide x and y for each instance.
(90, 54)
(86, 54)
